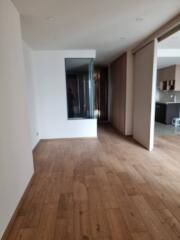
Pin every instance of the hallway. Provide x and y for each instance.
(102, 189)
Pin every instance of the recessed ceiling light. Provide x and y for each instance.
(122, 38)
(50, 19)
(174, 38)
(139, 19)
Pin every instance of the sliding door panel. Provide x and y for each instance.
(145, 69)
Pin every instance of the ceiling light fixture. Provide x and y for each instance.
(122, 38)
(139, 19)
(50, 19)
(174, 37)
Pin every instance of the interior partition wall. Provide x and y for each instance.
(145, 71)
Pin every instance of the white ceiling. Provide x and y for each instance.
(169, 51)
(109, 26)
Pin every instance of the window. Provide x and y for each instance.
(80, 88)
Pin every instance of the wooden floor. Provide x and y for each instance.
(105, 189)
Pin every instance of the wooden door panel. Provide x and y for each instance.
(145, 71)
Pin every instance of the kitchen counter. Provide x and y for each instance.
(166, 111)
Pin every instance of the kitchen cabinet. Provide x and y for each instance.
(160, 112)
(169, 78)
(165, 112)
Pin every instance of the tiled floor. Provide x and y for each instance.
(165, 130)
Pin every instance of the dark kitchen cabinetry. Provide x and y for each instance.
(165, 112)
(160, 112)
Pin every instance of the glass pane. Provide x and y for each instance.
(80, 88)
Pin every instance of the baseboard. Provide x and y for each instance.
(35, 147)
(62, 139)
(11, 222)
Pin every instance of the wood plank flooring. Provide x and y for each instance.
(104, 189)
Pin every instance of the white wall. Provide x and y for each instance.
(51, 101)
(16, 165)
(31, 95)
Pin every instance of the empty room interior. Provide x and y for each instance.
(90, 120)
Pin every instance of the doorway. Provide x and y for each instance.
(146, 78)
(167, 113)
(101, 93)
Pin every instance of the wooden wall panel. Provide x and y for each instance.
(145, 71)
(118, 83)
(101, 92)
